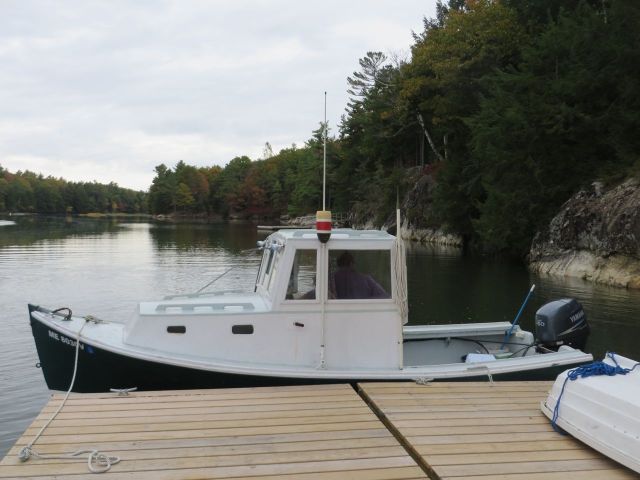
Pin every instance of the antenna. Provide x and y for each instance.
(323, 217)
(324, 157)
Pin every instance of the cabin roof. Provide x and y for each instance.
(337, 233)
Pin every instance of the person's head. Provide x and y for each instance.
(345, 259)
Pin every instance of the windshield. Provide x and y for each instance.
(269, 266)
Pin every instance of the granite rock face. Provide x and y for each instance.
(596, 236)
(435, 236)
(421, 223)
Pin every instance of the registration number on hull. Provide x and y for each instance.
(60, 338)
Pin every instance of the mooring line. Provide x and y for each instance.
(97, 462)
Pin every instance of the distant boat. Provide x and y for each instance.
(6, 223)
(318, 312)
(602, 411)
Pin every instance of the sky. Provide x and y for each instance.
(107, 90)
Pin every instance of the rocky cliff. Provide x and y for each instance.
(596, 236)
(421, 223)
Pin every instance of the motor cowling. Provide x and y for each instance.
(562, 322)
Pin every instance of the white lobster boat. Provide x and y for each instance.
(602, 411)
(303, 323)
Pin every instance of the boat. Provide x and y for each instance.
(602, 409)
(303, 323)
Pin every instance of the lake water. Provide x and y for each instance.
(105, 267)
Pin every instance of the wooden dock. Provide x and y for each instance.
(309, 432)
(470, 430)
(482, 431)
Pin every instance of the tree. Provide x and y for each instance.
(19, 197)
(554, 124)
(183, 197)
(162, 191)
(226, 185)
(4, 190)
(267, 151)
(48, 198)
(376, 140)
(361, 83)
(443, 86)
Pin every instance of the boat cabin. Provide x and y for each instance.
(326, 305)
(297, 269)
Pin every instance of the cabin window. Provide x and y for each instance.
(302, 280)
(272, 268)
(267, 270)
(265, 265)
(269, 265)
(359, 274)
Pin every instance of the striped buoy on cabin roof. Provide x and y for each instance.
(323, 225)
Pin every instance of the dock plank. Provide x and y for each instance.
(484, 431)
(175, 423)
(115, 410)
(136, 464)
(97, 436)
(302, 432)
(183, 471)
(167, 443)
(173, 451)
(200, 415)
(238, 391)
(294, 472)
(607, 474)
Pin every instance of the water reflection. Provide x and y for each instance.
(613, 313)
(234, 237)
(29, 229)
(447, 286)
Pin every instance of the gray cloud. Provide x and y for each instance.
(106, 90)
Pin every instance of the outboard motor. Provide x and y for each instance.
(562, 322)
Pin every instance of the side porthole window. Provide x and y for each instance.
(359, 274)
(302, 280)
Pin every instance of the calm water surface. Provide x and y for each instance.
(105, 267)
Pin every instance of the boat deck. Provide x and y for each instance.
(470, 430)
(481, 431)
(320, 432)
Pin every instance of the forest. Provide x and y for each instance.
(34, 193)
(507, 107)
(510, 106)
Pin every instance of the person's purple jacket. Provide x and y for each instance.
(351, 284)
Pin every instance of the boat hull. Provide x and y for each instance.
(100, 370)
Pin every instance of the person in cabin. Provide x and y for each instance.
(311, 294)
(348, 283)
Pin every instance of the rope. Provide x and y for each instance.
(401, 279)
(423, 380)
(591, 370)
(96, 462)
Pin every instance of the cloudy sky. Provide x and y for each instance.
(106, 90)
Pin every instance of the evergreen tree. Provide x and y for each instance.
(162, 193)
